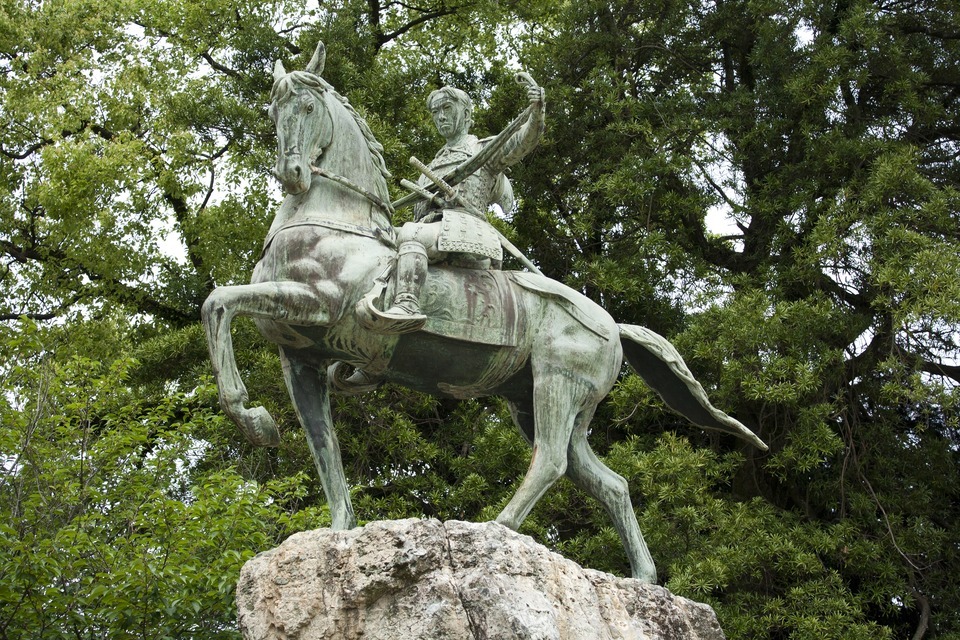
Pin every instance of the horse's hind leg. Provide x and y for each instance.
(555, 402)
(522, 414)
(310, 394)
(592, 476)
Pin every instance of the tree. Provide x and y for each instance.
(109, 529)
(827, 133)
(131, 502)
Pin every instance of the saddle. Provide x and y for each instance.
(470, 305)
(480, 305)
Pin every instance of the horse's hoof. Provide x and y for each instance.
(507, 522)
(260, 427)
(647, 576)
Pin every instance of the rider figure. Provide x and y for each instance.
(458, 232)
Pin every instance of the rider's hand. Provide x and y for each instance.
(535, 95)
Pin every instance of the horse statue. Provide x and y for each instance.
(551, 352)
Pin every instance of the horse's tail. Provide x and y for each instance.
(663, 369)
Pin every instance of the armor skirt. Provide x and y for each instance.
(460, 232)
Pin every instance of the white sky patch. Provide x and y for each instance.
(720, 176)
(720, 222)
(804, 33)
(169, 240)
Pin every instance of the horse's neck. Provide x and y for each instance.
(346, 156)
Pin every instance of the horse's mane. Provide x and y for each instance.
(284, 86)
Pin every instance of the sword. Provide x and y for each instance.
(452, 194)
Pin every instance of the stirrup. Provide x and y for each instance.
(394, 321)
(350, 385)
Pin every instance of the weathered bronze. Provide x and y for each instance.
(549, 351)
(458, 186)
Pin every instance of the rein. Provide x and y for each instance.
(353, 186)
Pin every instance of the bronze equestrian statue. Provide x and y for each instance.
(549, 351)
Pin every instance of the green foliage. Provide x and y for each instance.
(109, 529)
(766, 572)
(824, 316)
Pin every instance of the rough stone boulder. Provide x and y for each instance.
(428, 580)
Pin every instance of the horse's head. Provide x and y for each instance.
(304, 124)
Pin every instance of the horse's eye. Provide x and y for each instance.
(310, 108)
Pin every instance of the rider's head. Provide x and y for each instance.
(452, 111)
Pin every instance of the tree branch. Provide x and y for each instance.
(938, 369)
(385, 38)
(29, 151)
(716, 187)
(123, 292)
(22, 255)
(924, 623)
(219, 67)
(374, 9)
(182, 211)
(99, 130)
(50, 315)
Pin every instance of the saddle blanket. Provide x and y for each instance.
(475, 305)
(575, 304)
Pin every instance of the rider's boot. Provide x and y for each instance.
(404, 316)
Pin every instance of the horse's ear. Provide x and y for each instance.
(318, 61)
(278, 71)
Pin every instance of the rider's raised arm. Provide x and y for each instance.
(528, 136)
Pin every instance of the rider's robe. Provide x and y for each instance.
(462, 231)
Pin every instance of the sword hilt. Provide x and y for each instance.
(450, 192)
(423, 193)
(433, 177)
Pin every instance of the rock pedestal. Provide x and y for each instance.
(427, 580)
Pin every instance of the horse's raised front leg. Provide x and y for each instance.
(291, 302)
(310, 394)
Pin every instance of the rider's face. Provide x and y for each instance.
(450, 118)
